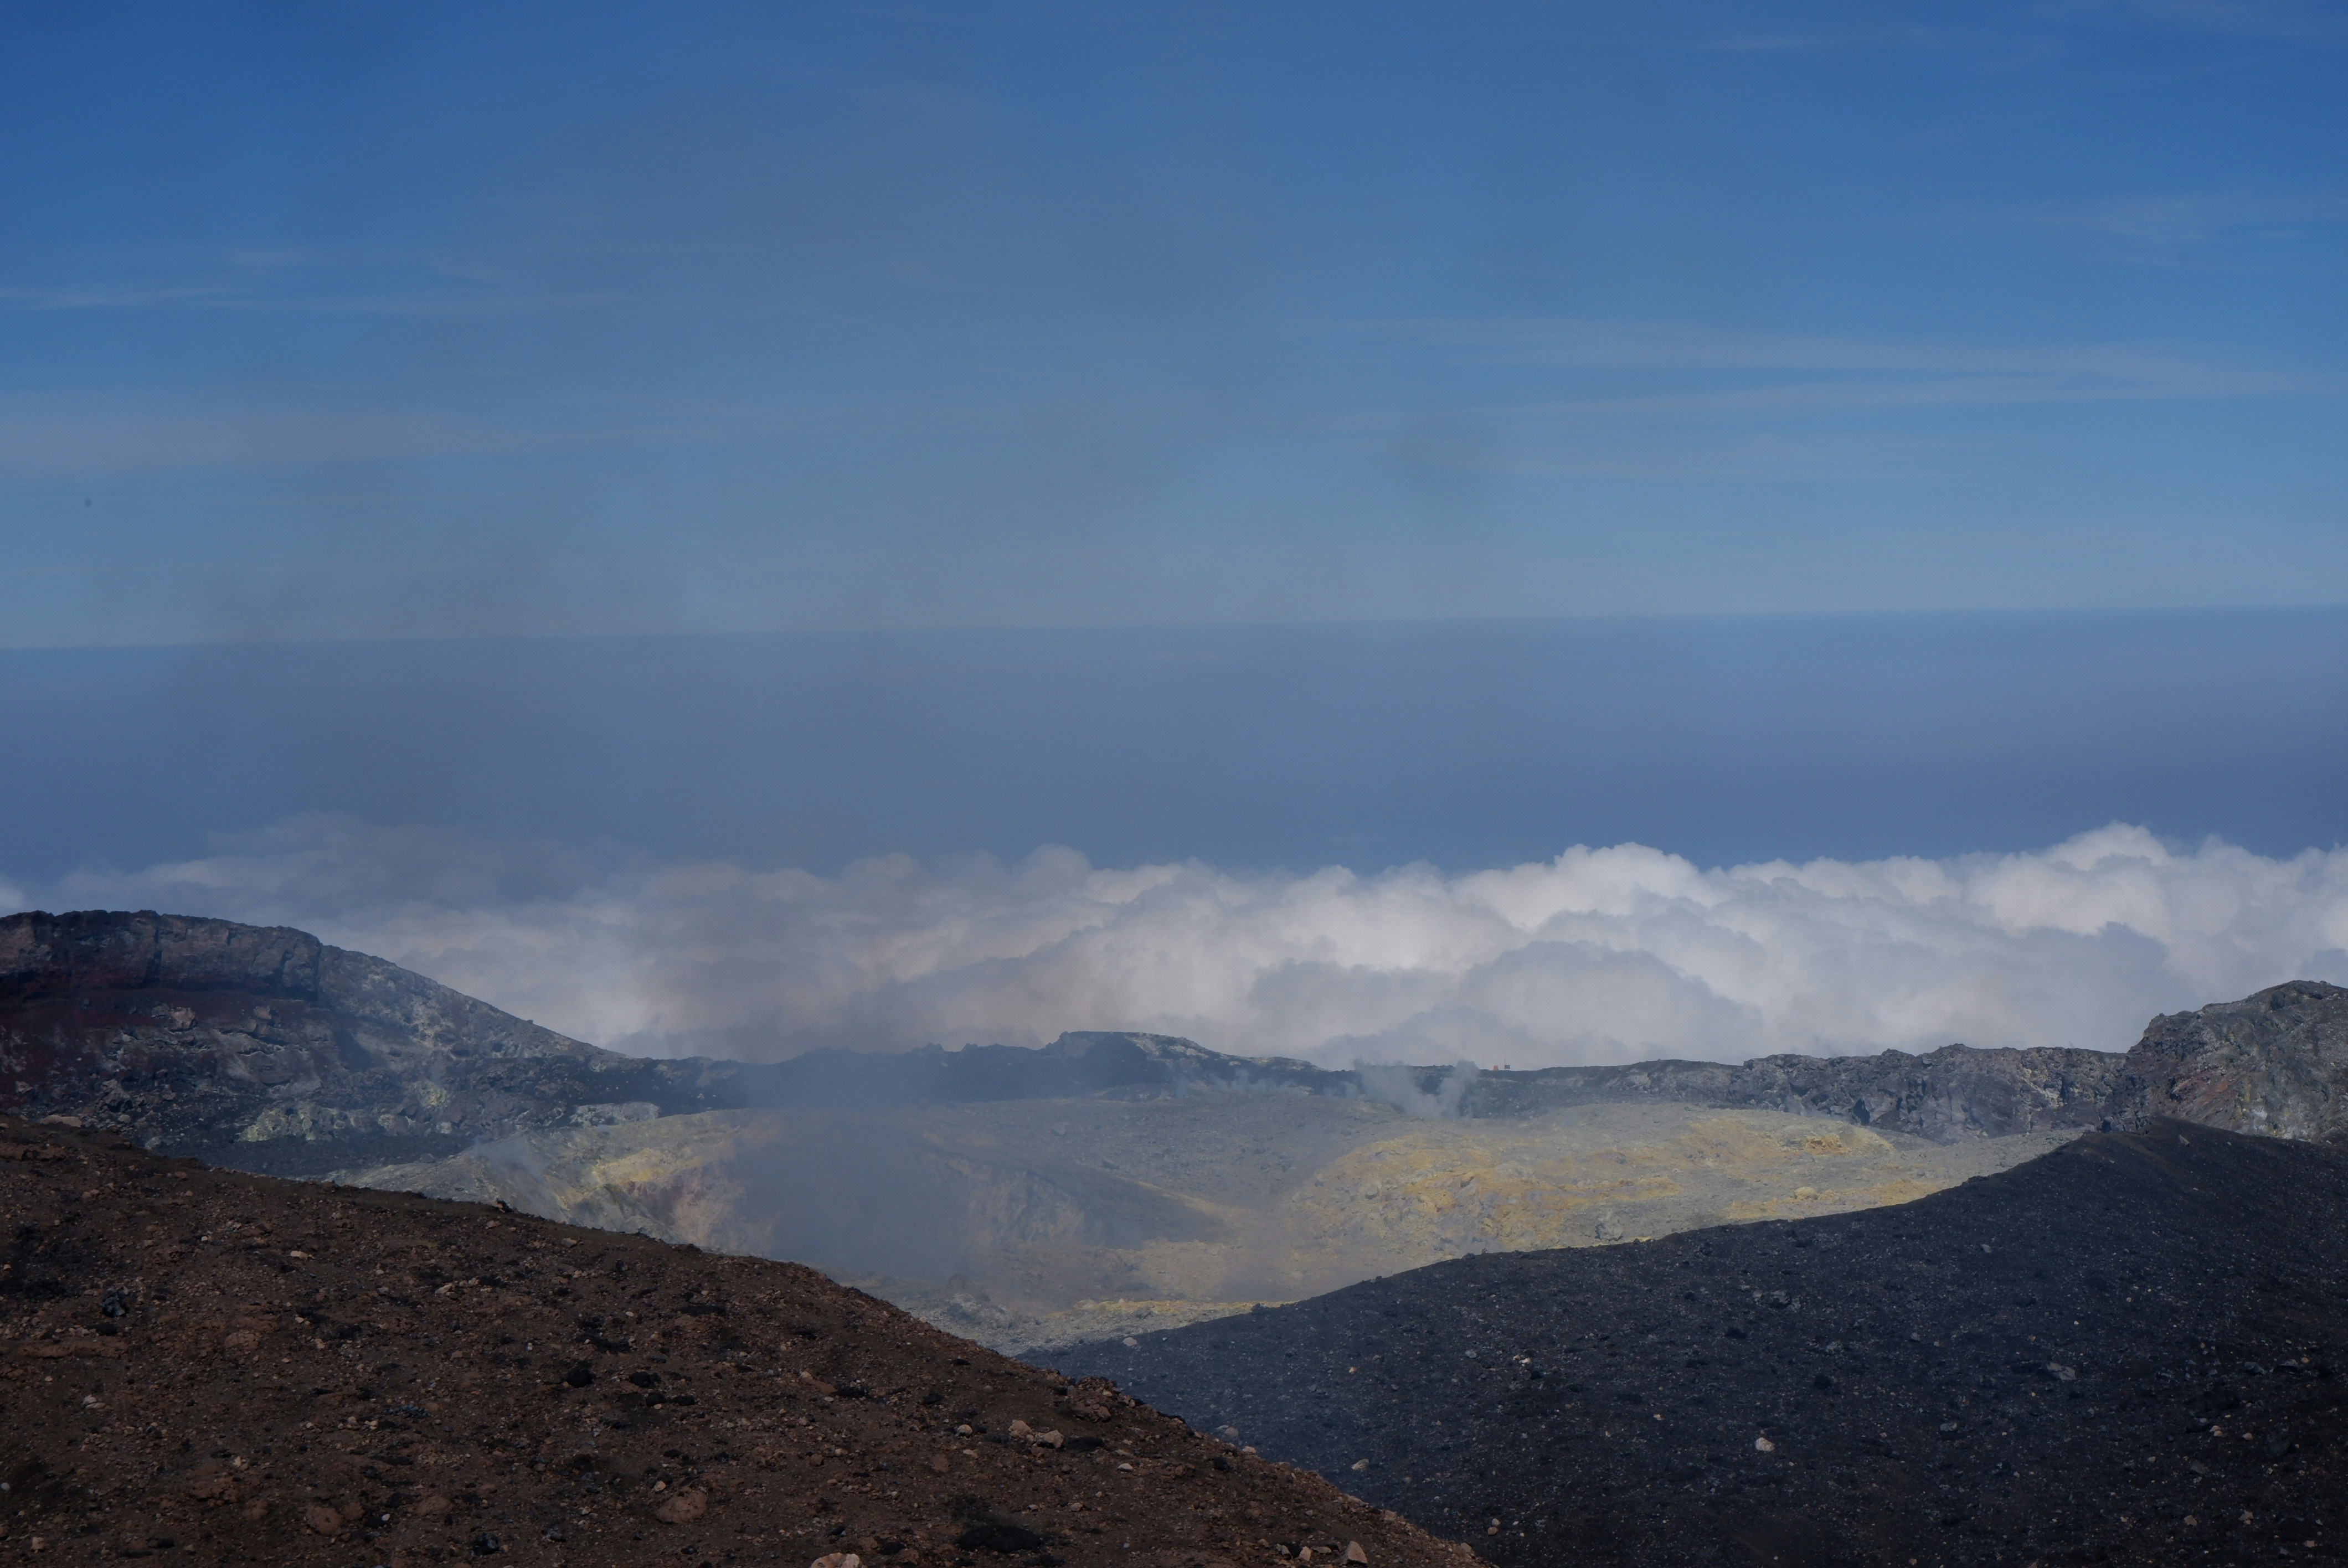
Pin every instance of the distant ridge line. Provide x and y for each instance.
(264, 1048)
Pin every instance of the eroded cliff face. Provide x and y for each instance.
(1952, 1094)
(2276, 1063)
(265, 1048)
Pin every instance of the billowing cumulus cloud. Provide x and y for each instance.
(1599, 955)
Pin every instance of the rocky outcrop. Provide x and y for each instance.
(1955, 1092)
(2276, 1063)
(76, 955)
(263, 1048)
(1079, 1064)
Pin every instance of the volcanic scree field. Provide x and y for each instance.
(2130, 1350)
(213, 1366)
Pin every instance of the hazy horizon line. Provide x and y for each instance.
(984, 629)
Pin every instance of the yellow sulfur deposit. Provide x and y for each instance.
(1028, 1224)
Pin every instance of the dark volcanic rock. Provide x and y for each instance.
(2132, 1348)
(2275, 1063)
(1957, 1091)
(264, 1049)
(267, 1047)
(1080, 1063)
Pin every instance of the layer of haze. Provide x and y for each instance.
(1468, 746)
(1331, 841)
(455, 320)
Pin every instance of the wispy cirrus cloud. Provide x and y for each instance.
(1965, 391)
(1829, 41)
(2283, 21)
(227, 297)
(2162, 223)
(1593, 344)
(106, 296)
(301, 280)
(1710, 371)
(2279, 21)
(125, 439)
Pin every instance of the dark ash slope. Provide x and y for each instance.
(2131, 1349)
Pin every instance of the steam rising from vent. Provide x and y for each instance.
(519, 1170)
(1601, 955)
(1407, 1090)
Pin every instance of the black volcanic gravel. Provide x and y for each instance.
(2132, 1349)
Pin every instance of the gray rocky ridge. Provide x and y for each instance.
(265, 1048)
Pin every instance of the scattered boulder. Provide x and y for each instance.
(210, 1481)
(1093, 1398)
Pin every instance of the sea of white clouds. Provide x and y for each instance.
(1601, 955)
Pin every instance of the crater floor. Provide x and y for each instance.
(1028, 1224)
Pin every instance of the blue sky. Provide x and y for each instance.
(737, 527)
(358, 322)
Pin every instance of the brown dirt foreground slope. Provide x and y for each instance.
(215, 1367)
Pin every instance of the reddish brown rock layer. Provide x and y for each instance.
(2275, 1063)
